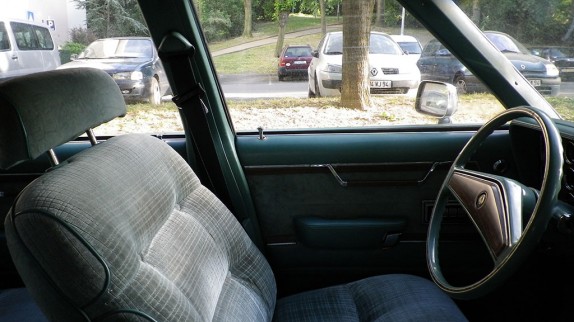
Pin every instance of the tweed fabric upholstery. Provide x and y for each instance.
(125, 231)
(381, 298)
(40, 111)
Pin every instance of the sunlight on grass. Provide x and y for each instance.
(258, 60)
(300, 113)
(296, 22)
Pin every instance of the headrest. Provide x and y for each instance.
(43, 110)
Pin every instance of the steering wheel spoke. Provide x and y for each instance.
(509, 216)
(495, 206)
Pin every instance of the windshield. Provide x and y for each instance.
(262, 88)
(410, 47)
(118, 48)
(505, 43)
(378, 44)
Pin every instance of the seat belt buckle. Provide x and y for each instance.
(196, 92)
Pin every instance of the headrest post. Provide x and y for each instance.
(53, 158)
(91, 136)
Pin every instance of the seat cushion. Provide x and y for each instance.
(381, 298)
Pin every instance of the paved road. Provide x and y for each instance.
(266, 86)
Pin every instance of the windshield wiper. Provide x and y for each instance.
(333, 53)
(509, 51)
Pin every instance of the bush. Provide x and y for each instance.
(70, 48)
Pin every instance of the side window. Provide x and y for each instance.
(4, 40)
(44, 38)
(25, 36)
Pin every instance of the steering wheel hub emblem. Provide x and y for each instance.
(481, 199)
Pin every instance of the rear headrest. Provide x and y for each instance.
(41, 111)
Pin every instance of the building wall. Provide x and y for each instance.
(60, 15)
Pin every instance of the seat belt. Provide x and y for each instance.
(194, 114)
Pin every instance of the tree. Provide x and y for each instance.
(380, 13)
(323, 17)
(571, 27)
(356, 33)
(247, 24)
(282, 9)
(476, 12)
(112, 18)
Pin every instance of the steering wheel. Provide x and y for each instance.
(509, 216)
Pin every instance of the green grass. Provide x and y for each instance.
(263, 30)
(396, 109)
(258, 60)
(564, 106)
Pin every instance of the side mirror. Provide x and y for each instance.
(437, 99)
(315, 53)
(73, 57)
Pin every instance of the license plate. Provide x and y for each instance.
(535, 82)
(381, 84)
(299, 62)
(567, 70)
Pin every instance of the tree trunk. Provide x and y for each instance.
(283, 16)
(380, 13)
(247, 23)
(356, 32)
(571, 28)
(476, 12)
(323, 17)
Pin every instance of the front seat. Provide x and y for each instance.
(124, 231)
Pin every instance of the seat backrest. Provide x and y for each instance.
(125, 231)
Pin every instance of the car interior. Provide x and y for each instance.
(441, 222)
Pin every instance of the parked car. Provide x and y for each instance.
(391, 71)
(438, 63)
(294, 61)
(25, 48)
(410, 45)
(381, 215)
(562, 57)
(133, 63)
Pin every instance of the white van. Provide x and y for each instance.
(26, 48)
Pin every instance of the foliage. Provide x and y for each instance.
(82, 36)
(113, 18)
(221, 19)
(73, 47)
(522, 19)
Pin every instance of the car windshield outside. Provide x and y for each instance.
(118, 48)
(327, 140)
(261, 91)
(378, 44)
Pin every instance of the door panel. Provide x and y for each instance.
(335, 207)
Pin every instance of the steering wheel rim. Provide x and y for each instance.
(498, 202)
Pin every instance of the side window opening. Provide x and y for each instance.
(25, 36)
(4, 40)
(44, 38)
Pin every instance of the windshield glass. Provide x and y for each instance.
(378, 44)
(505, 43)
(118, 48)
(265, 85)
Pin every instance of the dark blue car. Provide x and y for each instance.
(437, 63)
(132, 62)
